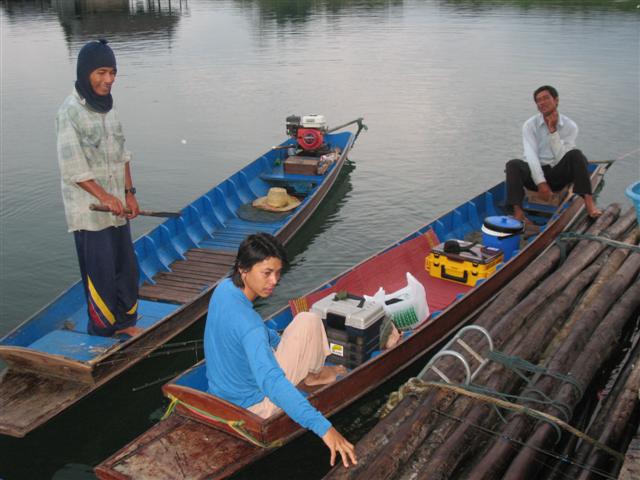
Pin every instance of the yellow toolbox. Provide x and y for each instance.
(462, 262)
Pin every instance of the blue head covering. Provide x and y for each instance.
(92, 56)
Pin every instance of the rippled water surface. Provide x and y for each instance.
(204, 87)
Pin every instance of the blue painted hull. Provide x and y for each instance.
(196, 420)
(53, 348)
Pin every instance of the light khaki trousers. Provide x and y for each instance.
(302, 350)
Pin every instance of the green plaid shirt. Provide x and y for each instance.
(90, 147)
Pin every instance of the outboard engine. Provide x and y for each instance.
(308, 130)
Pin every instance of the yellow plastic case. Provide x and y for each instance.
(472, 263)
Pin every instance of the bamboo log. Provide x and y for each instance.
(631, 467)
(503, 303)
(401, 426)
(599, 285)
(599, 347)
(461, 442)
(618, 423)
(449, 454)
(377, 439)
(500, 454)
(606, 409)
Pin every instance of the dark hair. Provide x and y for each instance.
(254, 249)
(548, 88)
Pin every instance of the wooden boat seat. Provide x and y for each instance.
(535, 204)
(190, 277)
(72, 344)
(290, 177)
(301, 184)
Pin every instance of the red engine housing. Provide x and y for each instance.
(310, 138)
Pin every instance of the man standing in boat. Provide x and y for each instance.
(551, 159)
(94, 166)
(250, 365)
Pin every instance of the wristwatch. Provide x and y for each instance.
(131, 190)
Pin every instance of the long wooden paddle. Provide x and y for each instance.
(102, 208)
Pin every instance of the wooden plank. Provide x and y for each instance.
(180, 448)
(26, 400)
(151, 292)
(631, 467)
(169, 282)
(194, 277)
(200, 269)
(189, 277)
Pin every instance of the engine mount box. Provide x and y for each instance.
(301, 165)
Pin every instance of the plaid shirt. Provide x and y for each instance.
(90, 147)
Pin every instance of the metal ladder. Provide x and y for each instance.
(448, 351)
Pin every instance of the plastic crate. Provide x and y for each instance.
(633, 192)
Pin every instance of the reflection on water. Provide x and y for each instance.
(294, 11)
(119, 19)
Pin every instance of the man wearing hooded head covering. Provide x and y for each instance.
(94, 167)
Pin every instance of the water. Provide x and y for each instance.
(205, 86)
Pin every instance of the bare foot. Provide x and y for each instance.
(518, 213)
(531, 229)
(131, 331)
(394, 338)
(592, 209)
(327, 375)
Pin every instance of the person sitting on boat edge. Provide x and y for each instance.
(241, 364)
(95, 165)
(551, 159)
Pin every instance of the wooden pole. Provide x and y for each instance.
(502, 451)
(618, 422)
(463, 440)
(593, 355)
(451, 451)
(607, 406)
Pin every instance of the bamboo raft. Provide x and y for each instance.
(532, 404)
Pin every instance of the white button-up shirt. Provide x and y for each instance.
(544, 148)
(90, 147)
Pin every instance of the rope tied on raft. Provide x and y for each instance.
(236, 425)
(604, 238)
(415, 386)
(519, 366)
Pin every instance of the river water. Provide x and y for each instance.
(204, 87)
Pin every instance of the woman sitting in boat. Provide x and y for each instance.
(250, 365)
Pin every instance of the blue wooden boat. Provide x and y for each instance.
(207, 437)
(51, 360)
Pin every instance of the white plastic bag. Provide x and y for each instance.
(407, 306)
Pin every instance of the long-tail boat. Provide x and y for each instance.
(204, 436)
(52, 362)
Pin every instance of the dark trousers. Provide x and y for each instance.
(571, 169)
(110, 277)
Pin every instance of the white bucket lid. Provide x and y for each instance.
(493, 233)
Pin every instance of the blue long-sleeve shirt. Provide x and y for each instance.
(241, 367)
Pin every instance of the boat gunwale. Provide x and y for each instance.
(137, 348)
(307, 210)
(324, 398)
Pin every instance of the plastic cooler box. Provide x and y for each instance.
(502, 232)
(472, 262)
(353, 328)
(633, 192)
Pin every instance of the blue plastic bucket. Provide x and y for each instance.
(633, 192)
(502, 232)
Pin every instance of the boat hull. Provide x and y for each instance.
(58, 381)
(137, 461)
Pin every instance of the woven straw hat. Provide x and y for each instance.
(276, 200)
